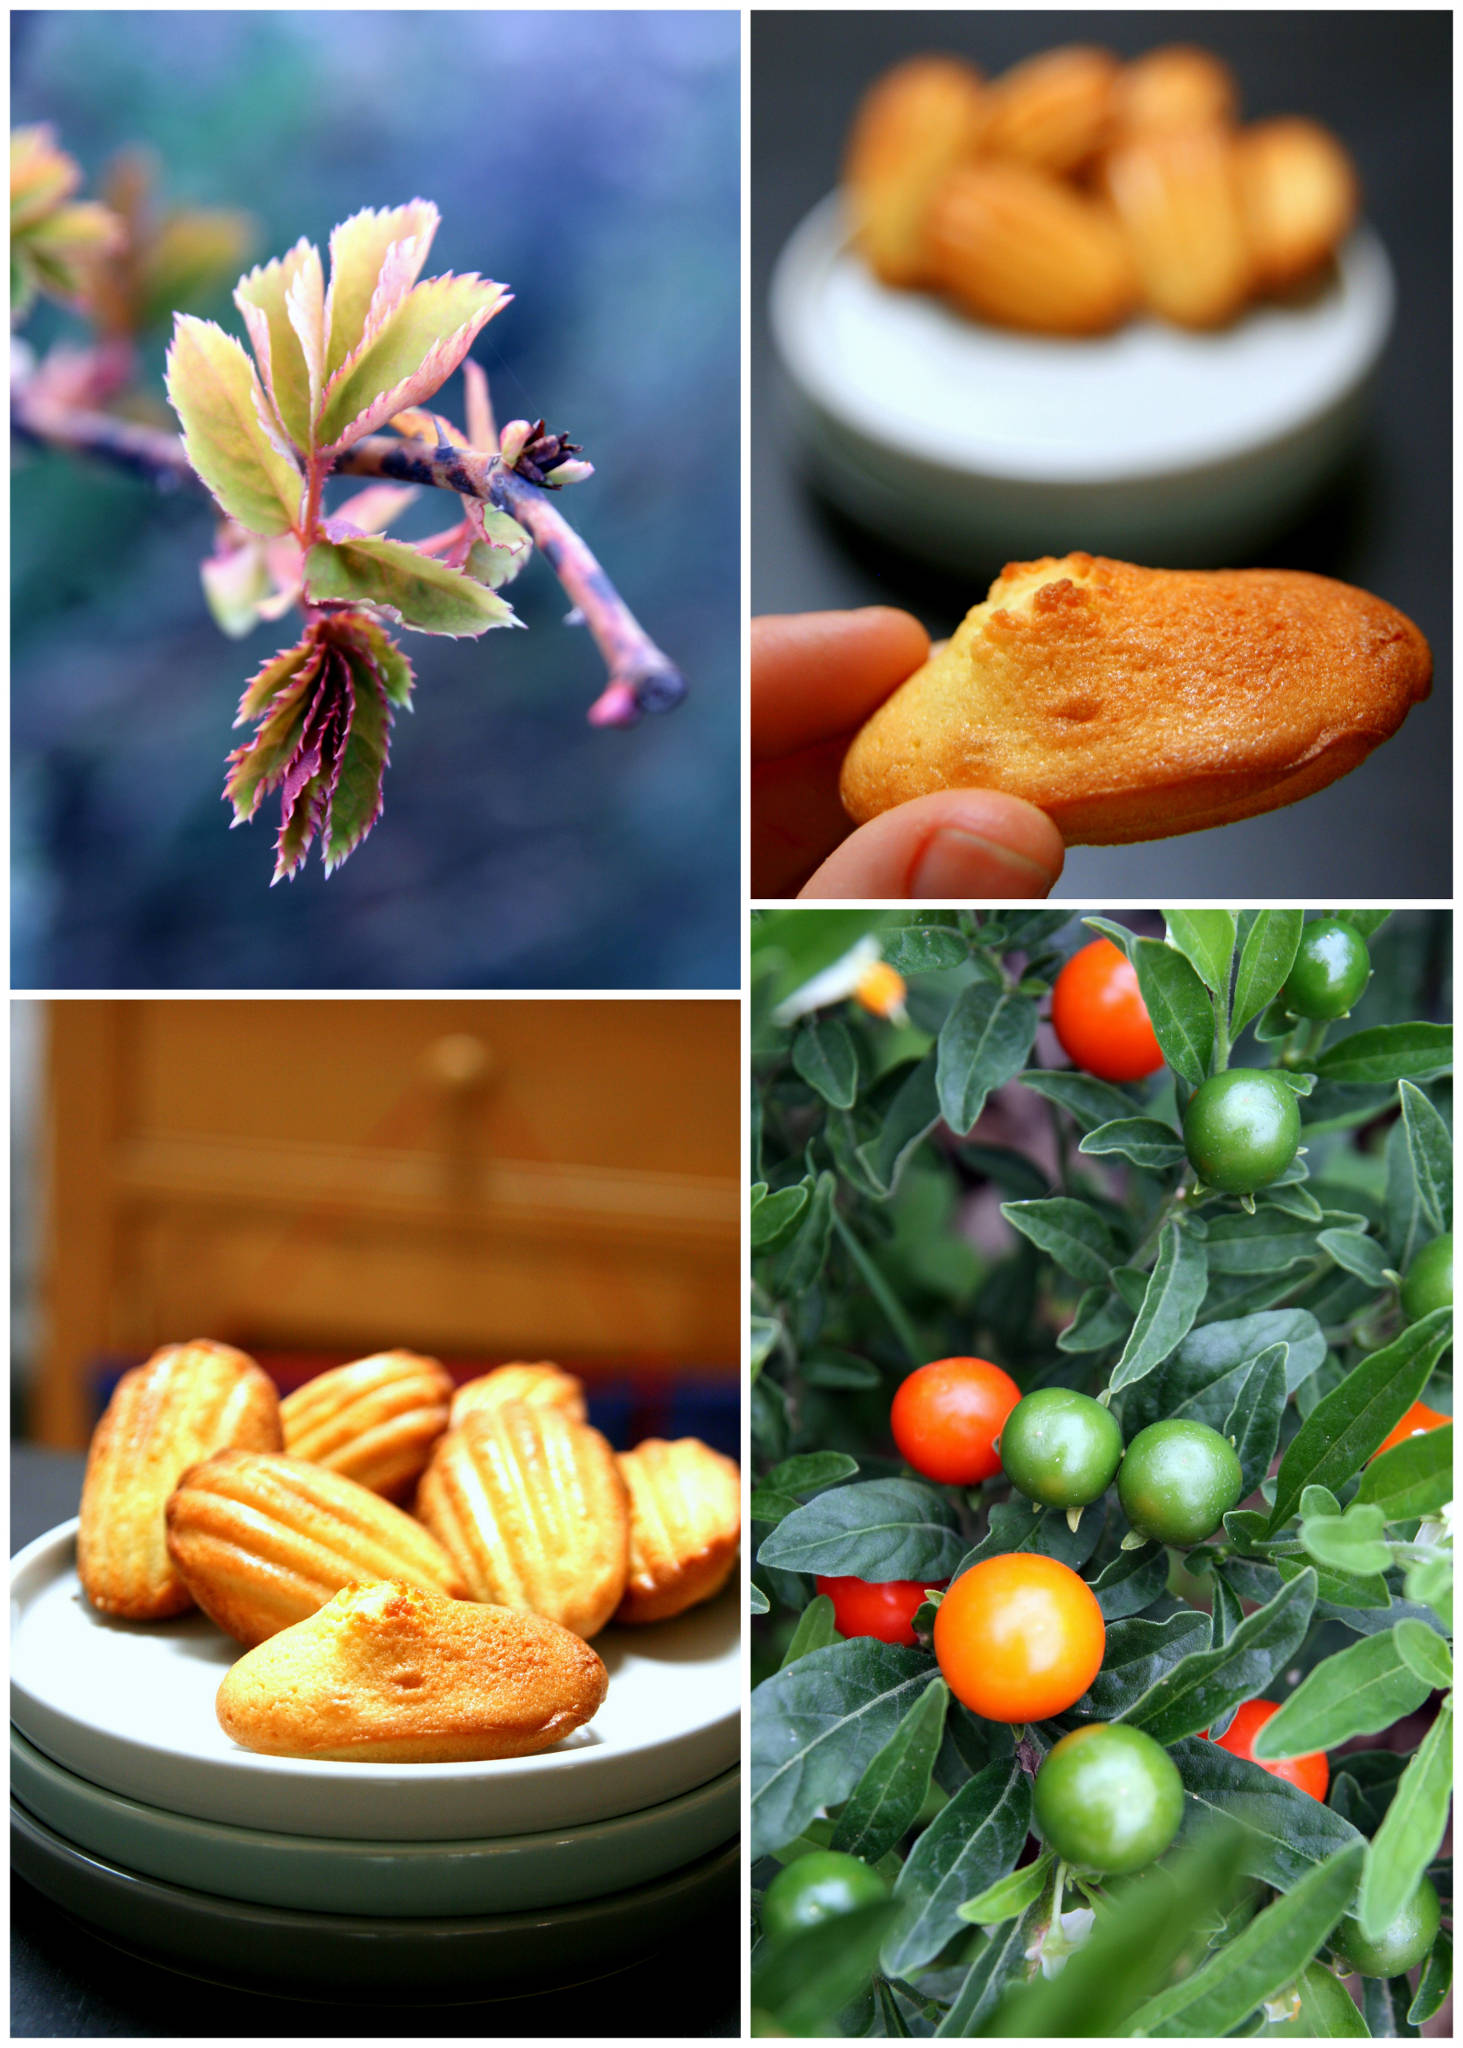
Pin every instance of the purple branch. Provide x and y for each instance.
(641, 677)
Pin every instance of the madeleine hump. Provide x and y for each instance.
(685, 1526)
(391, 1673)
(1134, 703)
(542, 1385)
(187, 1401)
(263, 1542)
(375, 1421)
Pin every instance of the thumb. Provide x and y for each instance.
(955, 844)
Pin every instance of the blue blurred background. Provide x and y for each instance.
(590, 161)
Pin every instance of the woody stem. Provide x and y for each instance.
(641, 678)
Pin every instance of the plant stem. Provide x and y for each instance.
(879, 1287)
(641, 678)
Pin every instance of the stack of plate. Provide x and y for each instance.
(133, 1810)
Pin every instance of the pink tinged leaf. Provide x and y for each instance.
(215, 394)
(235, 584)
(408, 357)
(262, 297)
(503, 545)
(570, 473)
(393, 669)
(425, 594)
(477, 410)
(280, 669)
(305, 791)
(359, 249)
(259, 767)
(356, 795)
(305, 305)
(41, 175)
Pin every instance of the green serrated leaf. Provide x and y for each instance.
(425, 593)
(405, 356)
(358, 251)
(216, 395)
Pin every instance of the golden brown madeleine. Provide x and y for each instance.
(1300, 194)
(1020, 248)
(375, 1421)
(392, 1674)
(913, 126)
(185, 1402)
(685, 1526)
(1133, 703)
(262, 1542)
(1053, 112)
(542, 1385)
(531, 1508)
(1178, 86)
(1178, 196)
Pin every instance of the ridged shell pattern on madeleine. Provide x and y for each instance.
(1131, 703)
(685, 1526)
(540, 1385)
(262, 1542)
(532, 1510)
(376, 1421)
(392, 1674)
(187, 1400)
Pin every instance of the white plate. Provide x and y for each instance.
(391, 1879)
(950, 435)
(130, 1707)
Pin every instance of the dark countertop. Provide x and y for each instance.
(1383, 82)
(67, 1983)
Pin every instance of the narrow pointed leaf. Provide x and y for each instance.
(214, 392)
(305, 307)
(1265, 960)
(261, 689)
(1174, 1296)
(355, 801)
(259, 767)
(425, 593)
(886, 1802)
(1359, 1691)
(967, 1846)
(390, 662)
(1411, 1831)
(409, 356)
(358, 250)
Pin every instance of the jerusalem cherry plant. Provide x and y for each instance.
(1101, 1415)
(338, 381)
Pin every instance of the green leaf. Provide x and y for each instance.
(1265, 962)
(263, 297)
(1132, 1582)
(1388, 1053)
(1089, 1102)
(807, 1979)
(1209, 1682)
(1144, 1140)
(1100, 1322)
(1359, 1691)
(1425, 1653)
(1174, 1296)
(1260, 1961)
(757, 1601)
(817, 1726)
(816, 1630)
(971, 1842)
(878, 1529)
(503, 548)
(1206, 940)
(424, 593)
(1132, 1948)
(1286, 1832)
(1001, 1962)
(406, 356)
(355, 797)
(1070, 1232)
(926, 948)
(1253, 1424)
(1343, 1430)
(811, 1470)
(1351, 1543)
(1430, 1149)
(1436, 1980)
(1179, 1009)
(1138, 1659)
(1267, 1242)
(824, 1054)
(1414, 1826)
(1356, 1253)
(1009, 1897)
(216, 395)
(907, 1113)
(886, 1802)
(774, 1215)
(358, 250)
(983, 1043)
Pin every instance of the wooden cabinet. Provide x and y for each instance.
(480, 1179)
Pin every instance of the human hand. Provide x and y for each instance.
(816, 676)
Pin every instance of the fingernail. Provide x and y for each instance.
(956, 864)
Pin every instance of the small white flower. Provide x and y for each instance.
(862, 974)
(1061, 1941)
